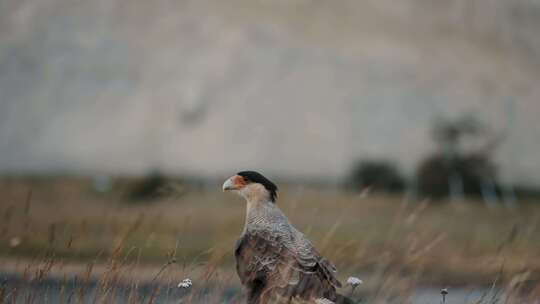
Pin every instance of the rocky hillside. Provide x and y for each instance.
(296, 88)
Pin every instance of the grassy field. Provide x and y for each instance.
(55, 226)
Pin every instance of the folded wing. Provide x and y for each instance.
(286, 265)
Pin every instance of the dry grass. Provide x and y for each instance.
(62, 229)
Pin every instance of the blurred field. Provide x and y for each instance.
(442, 95)
(379, 237)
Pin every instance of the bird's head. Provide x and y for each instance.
(252, 186)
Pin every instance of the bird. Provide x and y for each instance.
(275, 262)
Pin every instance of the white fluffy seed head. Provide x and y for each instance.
(354, 281)
(186, 283)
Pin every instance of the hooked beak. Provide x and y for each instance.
(236, 182)
(229, 185)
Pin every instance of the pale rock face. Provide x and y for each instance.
(200, 93)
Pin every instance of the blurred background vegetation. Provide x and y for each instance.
(403, 136)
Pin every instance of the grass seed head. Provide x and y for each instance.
(186, 283)
(354, 281)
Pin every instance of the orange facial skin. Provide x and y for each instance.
(239, 182)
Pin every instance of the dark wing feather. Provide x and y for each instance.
(328, 269)
(263, 257)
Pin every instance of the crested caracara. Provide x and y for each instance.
(276, 262)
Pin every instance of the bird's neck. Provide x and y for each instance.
(258, 213)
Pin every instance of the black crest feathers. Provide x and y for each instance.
(256, 177)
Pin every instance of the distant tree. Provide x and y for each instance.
(378, 175)
(465, 174)
(462, 164)
(147, 188)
